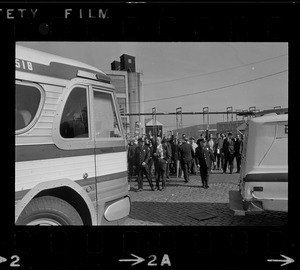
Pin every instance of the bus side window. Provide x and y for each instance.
(74, 121)
(28, 99)
(106, 121)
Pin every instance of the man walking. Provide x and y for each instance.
(161, 155)
(204, 158)
(228, 149)
(175, 156)
(142, 156)
(217, 150)
(186, 154)
(238, 149)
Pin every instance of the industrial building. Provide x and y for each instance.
(129, 91)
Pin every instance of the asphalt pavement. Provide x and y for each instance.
(189, 204)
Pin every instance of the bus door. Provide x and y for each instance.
(110, 155)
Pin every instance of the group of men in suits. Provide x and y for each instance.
(141, 157)
(232, 148)
(202, 155)
(160, 154)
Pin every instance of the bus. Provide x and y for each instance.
(70, 146)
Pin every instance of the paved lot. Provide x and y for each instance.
(189, 204)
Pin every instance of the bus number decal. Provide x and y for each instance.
(23, 64)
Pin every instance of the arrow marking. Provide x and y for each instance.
(136, 260)
(286, 260)
(2, 259)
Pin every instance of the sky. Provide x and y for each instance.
(193, 75)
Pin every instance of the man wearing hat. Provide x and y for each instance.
(204, 157)
(131, 158)
(228, 149)
(142, 156)
(186, 154)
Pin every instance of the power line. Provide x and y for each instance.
(214, 89)
(212, 72)
(217, 71)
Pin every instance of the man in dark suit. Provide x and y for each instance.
(167, 140)
(161, 155)
(228, 149)
(142, 156)
(186, 154)
(204, 157)
(131, 158)
(238, 149)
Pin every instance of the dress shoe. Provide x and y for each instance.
(139, 190)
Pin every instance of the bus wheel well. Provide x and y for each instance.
(73, 198)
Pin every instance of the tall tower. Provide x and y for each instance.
(136, 101)
(131, 90)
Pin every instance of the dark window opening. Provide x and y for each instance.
(74, 121)
(27, 102)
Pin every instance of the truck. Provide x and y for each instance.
(263, 181)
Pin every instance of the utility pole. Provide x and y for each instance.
(154, 122)
(179, 119)
(229, 110)
(206, 112)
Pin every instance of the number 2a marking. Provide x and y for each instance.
(165, 260)
(150, 263)
(14, 263)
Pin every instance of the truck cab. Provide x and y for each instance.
(263, 182)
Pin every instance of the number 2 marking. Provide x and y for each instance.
(150, 263)
(14, 263)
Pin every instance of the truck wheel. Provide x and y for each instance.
(49, 211)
